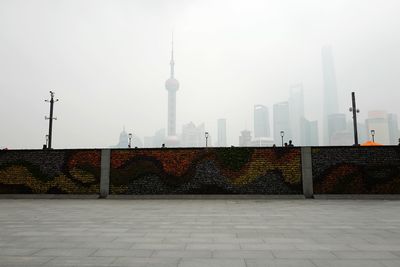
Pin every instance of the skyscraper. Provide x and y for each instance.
(261, 121)
(393, 129)
(172, 85)
(330, 89)
(378, 121)
(221, 124)
(296, 113)
(281, 121)
(245, 138)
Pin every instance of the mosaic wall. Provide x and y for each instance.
(206, 171)
(356, 170)
(50, 171)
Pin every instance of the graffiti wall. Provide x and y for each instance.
(50, 171)
(206, 171)
(356, 170)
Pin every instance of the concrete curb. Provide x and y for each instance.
(47, 196)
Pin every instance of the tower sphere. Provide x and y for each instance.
(172, 84)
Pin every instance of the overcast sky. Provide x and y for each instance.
(107, 61)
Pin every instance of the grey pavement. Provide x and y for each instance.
(195, 232)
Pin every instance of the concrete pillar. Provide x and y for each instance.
(105, 173)
(306, 169)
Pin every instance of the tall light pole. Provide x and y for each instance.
(355, 111)
(373, 135)
(282, 135)
(130, 140)
(206, 135)
(51, 118)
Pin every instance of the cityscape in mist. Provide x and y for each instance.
(249, 73)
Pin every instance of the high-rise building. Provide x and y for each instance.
(192, 135)
(172, 85)
(245, 138)
(261, 121)
(221, 125)
(159, 138)
(124, 140)
(296, 113)
(281, 122)
(393, 129)
(330, 90)
(337, 124)
(310, 133)
(378, 121)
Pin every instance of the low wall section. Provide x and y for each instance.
(261, 171)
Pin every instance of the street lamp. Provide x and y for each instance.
(373, 135)
(130, 140)
(206, 135)
(282, 135)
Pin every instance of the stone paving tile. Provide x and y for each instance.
(10, 261)
(212, 263)
(348, 263)
(17, 251)
(182, 254)
(365, 255)
(278, 263)
(145, 262)
(303, 254)
(76, 252)
(108, 252)
(80, 261)
(212, 246)
(391, 263)
(243, 254)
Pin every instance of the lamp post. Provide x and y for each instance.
(282, 135)
(206, 135)
(354, 110)
(373, 135)
(51, 118)
(130, 140)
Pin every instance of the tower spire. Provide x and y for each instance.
(172, 63)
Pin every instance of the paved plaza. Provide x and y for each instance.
(197, 233)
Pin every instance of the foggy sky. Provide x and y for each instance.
(107, 61)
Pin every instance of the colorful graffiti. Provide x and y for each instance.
(206, 171)
(356, 170)
(50, 171)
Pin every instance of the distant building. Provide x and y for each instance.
(310, 133)
(221, 125)
(261, 121)
(296, 113)
(262, 141)
(378, 121)
(281, 122)
(159, 138)
(192, 135)
(336, 124)
(393, 129)
(245, 138)
(124, 140)
(330, 103)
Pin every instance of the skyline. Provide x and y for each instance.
(108, 71)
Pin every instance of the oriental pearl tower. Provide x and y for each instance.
(172, 85)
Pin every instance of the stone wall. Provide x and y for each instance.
(50, 171)
(356, 170)
(206, 171)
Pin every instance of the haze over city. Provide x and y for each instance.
(108, 61)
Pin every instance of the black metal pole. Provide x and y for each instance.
(354, 109)
(51, 119)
